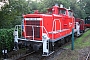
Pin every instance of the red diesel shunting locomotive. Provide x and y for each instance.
(41, 29)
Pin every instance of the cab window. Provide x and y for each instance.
(70, 13)
(62, 12)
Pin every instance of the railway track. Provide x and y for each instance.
(38, 55)
(18, 55)
(24, 56)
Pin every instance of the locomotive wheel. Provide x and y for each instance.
(69, 38)
(29, 49)
(35, 47)
(66, 40)
(51, 46)
(63, 41)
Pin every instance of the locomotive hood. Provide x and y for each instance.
(33, 15)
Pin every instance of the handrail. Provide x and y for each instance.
(55, 26)
(17, 27)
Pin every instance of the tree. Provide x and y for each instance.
(12, 14)
(87, 6)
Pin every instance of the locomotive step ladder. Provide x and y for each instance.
(46, 49)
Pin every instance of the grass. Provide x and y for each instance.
(81, 42)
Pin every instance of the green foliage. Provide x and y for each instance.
(6, 39)
(11, 14)
(43, 5)
(77, 7)
(82, 41)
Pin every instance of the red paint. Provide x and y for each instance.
(54, 21)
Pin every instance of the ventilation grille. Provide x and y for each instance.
(29, 29)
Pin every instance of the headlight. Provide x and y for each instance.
(44, 36)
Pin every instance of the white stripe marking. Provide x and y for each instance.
(33, 18)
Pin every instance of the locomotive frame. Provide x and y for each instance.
(40, 29)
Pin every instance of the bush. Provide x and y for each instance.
(6, 39)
